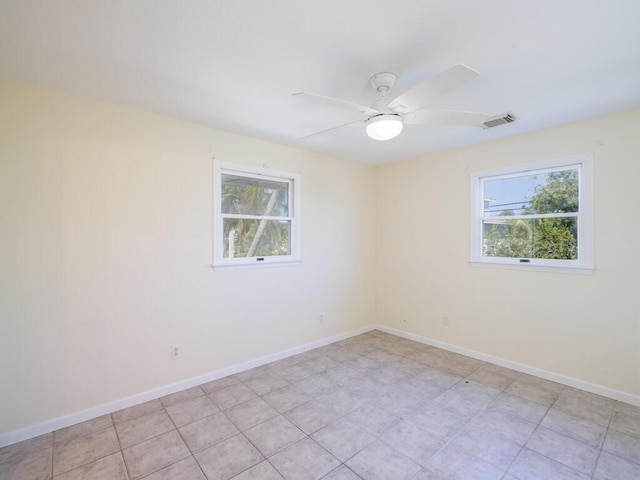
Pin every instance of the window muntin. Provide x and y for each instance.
(257, 216)
(534, 215)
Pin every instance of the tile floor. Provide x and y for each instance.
(373, 407)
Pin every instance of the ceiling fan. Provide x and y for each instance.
(385, 118)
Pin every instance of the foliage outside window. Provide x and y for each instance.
(534, 215)
(256, 216)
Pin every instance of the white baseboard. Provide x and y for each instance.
(538, 372)
(110, 407)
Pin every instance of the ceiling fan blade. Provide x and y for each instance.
(336, 102)
(332, 129)
(425, 92)
(446, 118)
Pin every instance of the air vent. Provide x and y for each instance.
(500, 120)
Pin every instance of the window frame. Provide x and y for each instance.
(295, 208)
(584, 263)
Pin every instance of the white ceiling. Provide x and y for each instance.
(233, 65)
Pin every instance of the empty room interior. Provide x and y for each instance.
(218, 263)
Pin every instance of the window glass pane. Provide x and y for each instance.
(256, 238)
(547, 238)
(551, 192)
(254, 196)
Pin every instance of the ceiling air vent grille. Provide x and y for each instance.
(500, 120)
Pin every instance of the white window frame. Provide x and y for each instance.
(295, 209)
(584, 263)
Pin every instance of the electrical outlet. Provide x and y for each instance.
(176, 353)
(321, 319)
(445, 320)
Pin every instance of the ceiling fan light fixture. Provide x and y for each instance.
(384, 126)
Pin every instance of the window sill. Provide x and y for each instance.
(247, 266)
(534, 268)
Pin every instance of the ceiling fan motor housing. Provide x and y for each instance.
(383, 81)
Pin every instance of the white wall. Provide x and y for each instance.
(106, 247)
(583, 327)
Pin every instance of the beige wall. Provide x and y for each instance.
(583, 327)
(106, 247)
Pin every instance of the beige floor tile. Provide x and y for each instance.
(82, 450)
(627, 409)
(574, 427)
(492, 379)
(208, 431)
(295, 373)
(341, 355)
(342, 473)
(251, 413)
(587, 406)
(565, 450)
(304, 460)
(531, 465)
(504, 424)
(252, 373)
(342, 400)
(316, 384)
(343, 439)
(312, 416)
(363, 363)
(460, 365)
(399, 402)
(379, 461)
(262, 471)
(611, 467)
(341, 375)
(189, 411)
(188, 394)
(413, 442)
(130, 413)
(440, 378)
(266, 383)
(383, 356)
(274, 435)
(111, 467)
(441, 423)
(286, 398)
(488, 446)
(454, 463)
(228, 458)
(219, 384)
(186, 469)
(154, 454)
(90, 426)
(25, 464)
(622, 445)
(368, 386)
(143, 428)
(535, 389)
(373, 419)
(520, 407)
(626, 423)
(27, 446)
(228, 397)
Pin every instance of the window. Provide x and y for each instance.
(537, 216)
(257, 216)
